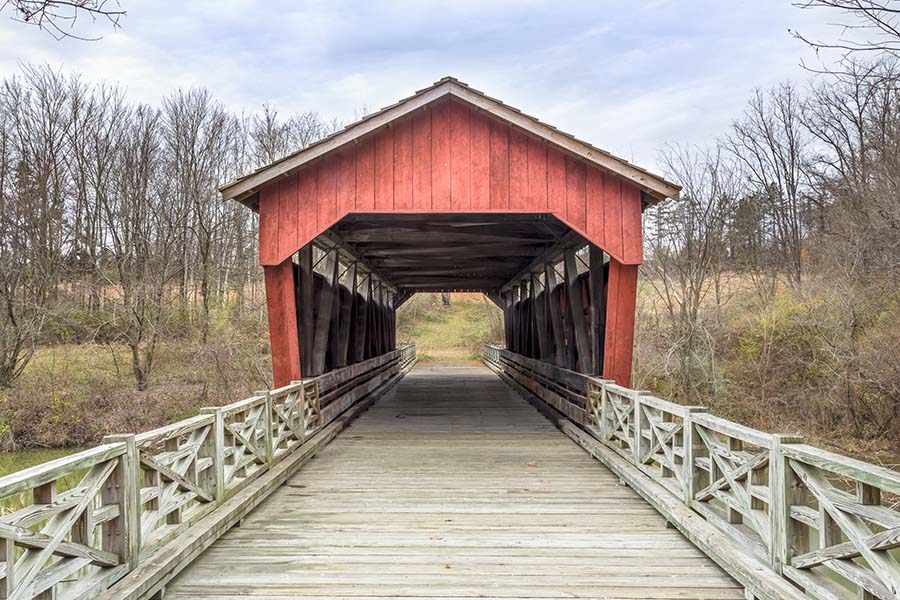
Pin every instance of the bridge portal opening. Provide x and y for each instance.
(450, 190)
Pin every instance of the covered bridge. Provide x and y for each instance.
(450, 190)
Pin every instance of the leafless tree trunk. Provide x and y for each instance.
(772, 145)
(686, 245)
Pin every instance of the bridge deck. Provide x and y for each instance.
(452, 486)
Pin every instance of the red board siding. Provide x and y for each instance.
(518, 170)
(346, 182)
(450, 158)
(575, 192)
(537, 175)
(556, 181)
(480, 148)
(384, 169)
(499, 166)
(306, 211)
(440, 157)
(282, 310)
(620, 313)
(421, 148)
(268, 225)
(365, 175)
(326, 194)
(403, 166)
(594, 205)
(288, 199)
(460, 158)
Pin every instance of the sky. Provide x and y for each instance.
(627, 76)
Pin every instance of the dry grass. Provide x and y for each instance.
(71, 395)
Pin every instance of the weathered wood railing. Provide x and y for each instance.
(786, 519)
(138, 494)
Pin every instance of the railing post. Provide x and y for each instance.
(637, 426)
(692, 475)
(122, 536)
(604, 413)
(785, 490)
(270, 442)
(218, 454)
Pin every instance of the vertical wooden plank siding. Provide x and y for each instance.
(365, 176)
(499, 166)
(593, 224)
(576, 198)
(537, 175)
(556, 182)
(480, 146)
(287, 206)
(384, 169)
(403, 166)
(268, 225)
(518, 170)
(306, 207)
(620, 312)
(421, 161)
(346, 182)
(460, 158)
(326, 193)
(440, 158)
(450, 158)
(282, 308)
(632, 238)
(612, 217)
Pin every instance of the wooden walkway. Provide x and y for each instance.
(451, 486)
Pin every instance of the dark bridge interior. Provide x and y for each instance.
(450, 252)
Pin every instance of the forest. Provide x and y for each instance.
(130, 293)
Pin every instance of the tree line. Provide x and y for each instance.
(775, 279)
(111, 208)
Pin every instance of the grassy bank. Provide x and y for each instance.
(71, 395)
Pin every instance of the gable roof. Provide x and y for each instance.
(655, 187)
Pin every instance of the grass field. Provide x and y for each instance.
(449, 333)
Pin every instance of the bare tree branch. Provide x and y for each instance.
(59, 17)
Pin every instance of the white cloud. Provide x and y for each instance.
(626, 76)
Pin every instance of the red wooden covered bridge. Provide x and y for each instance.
(450, 190)
(451, 481)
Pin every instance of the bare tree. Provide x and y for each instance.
(871, 26)
(274, 139)
(59, 17)
(197, 136)
(855, 116)
(773, 146)
(686, 248)
(34, 188)
(142, 231)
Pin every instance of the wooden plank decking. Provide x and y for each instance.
(451, 486)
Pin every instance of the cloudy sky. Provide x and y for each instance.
(626, 75)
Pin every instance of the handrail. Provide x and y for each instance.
(137, 493)
(813, 517)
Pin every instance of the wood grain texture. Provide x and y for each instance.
(421, 157)
(440, 157)
(620, 313)
(282, 308)
(451, 486)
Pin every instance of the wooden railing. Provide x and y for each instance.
(784, 511)
(136, 494)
